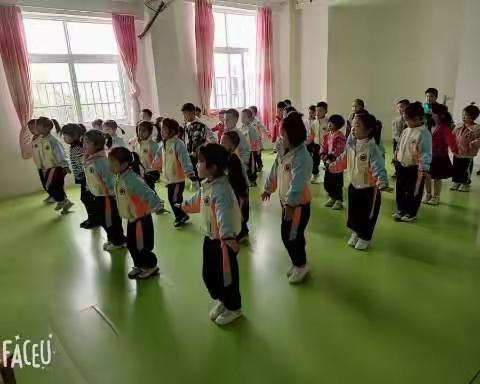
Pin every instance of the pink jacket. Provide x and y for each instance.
(467, 137)
(333, 144)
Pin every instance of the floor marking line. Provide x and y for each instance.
(106, 319)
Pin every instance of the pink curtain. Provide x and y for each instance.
(13, 49)
(204, 35)
(124, 29)
(265, 66)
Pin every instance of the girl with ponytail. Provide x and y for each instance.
(110, 128)
(136, 201)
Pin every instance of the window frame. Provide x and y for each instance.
(71, 59)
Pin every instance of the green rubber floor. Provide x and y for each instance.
(405, 312)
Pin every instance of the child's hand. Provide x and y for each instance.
(265, 196)
(232, 244)
(288, 213)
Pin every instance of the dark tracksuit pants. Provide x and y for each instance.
(54, 179)
(462, 169)
(363, 208)
(409, 190)
(213, 274)
(333, 184)
(88, 200)
(244, 203)
(252, 168)
(293, 234)
(258, 160)
(151, 178)
(314, 150)
(140, 242)
(109, 219)
(175, 196)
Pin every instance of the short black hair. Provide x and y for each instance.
(198, 109)
(254, 109)
(289, 109)
(288, 102)
(76, 131)
(188, 107)
(472, 110)
(148, 112)
(415, 110)
(248, 112)
(403, 102)
(233, 136)
(281, 105)
(322, 104)
(294, 128)
(145, 124)
(171, 124)
(312, 108)
(337, 121)
(433, 91)
(369, 122)
(359, 102)
(97, 138)
(234, 112)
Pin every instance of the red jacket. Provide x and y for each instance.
(219, 128)
(333, 144)
(442, 139)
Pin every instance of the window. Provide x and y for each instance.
(234, 59)
(75, 69)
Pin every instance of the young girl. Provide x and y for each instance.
(238, 179)
(251, 133)
(468, 140)
(97, 124)
(365, 165)
(414, 155)
(136, 201)
(221, 217)
(442, 140)
(73, 136)
(146, 148)
(100, 183)
(110, 128)
(173, 159)
(333, 146)
(220, 127)
(52, 161)
(291, 173)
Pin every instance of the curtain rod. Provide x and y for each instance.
(78, 12)
(243, 5)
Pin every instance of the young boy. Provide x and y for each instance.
(262, 132)
(251, 133)
(431, 96)
(309, 123)
(320, 129)
(398, 125)
(146, 115)
(358, 106)
(220, 127)
(277, 125)
(244, 149)
(195, 132)
(414, 155)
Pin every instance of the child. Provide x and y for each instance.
(431, 96)
(221, 224)
(175, 164)
(262, 132)
(220, 127)
(243, 150)
(97, 124)
(101, 184)
(288, 103)
(365, 165)
(251, 133)
(73, 136)
(358, 106)
(195, 132)
(398, 125)
(145, 115)
(468, 136)
(158, 126)
(333, 146)
(238, 179)
(136, 201)
(414, 155)
(290, 173)
(319, 131)
(52, 163)
(442, 140)
(146, 148)
(110, 128)
(277, 124)
(309, 124)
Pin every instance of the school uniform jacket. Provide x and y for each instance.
(290, 174)
(398, 125)
(243, 149)
(173, 160)
(252, 136)
(48, 153)
(333, 144)
(415, 148)
(364, 162)
(309, 127)
(146, 150)
(465, 139)
(320, 129)
(99, 177)
(117, 141)
(135, 199)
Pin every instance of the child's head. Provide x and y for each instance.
(198, 112)
(170, 128)
(280, 107)
(73, 133)
(221, 115)
(288, 110)
(312, 112)
(414, 114)
(440, 114)
(401, 105)
(470, 114)
(97, 124)
(32, 126)
(288, 102)
(188, 111)
(364, 125)
(247, 116)
(254, 110)
(335, 122)
(293, 128)
(231, 118)
(110, 127)
(322, 109)
(94, 141)
(120, 159)
(212, 161)
(44, 125)
(358, 105)
(431, 95)
(230, 140)
(144, 130)
(146, 115)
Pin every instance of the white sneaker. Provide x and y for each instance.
(464, 188)
(353, 240)
(455, 186)
(226, 317)
(49, 200)
(299, 274)
(290, 271)
(314, 179)
(426, 199)
(435, 200)
(109, 247)
(337, 206)
(397, 216)
(362, 245)
(148, 272)
(66, 207)
(217, 310)
(60, 205)
(408, 219)
(329, 203)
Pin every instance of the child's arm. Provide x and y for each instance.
(145, 193)
(340, 163)
(271, 182)
(157, 160)
(184, 158)
(106, 176)
(425, 151)
(192, 205)
(377, 164)
(301, 173)
(451, 140)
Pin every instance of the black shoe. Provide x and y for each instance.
(87, 224)
(242, 236)
(181, 221)
(478, 173)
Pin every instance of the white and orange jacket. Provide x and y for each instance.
(243, 150)
(320, 129)
(146, 150)
(48, 152)
(173, 160)
(100, 181)
(290, 174)
(365, 164)
(250, 132)
(415, 148)
(135, 199)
